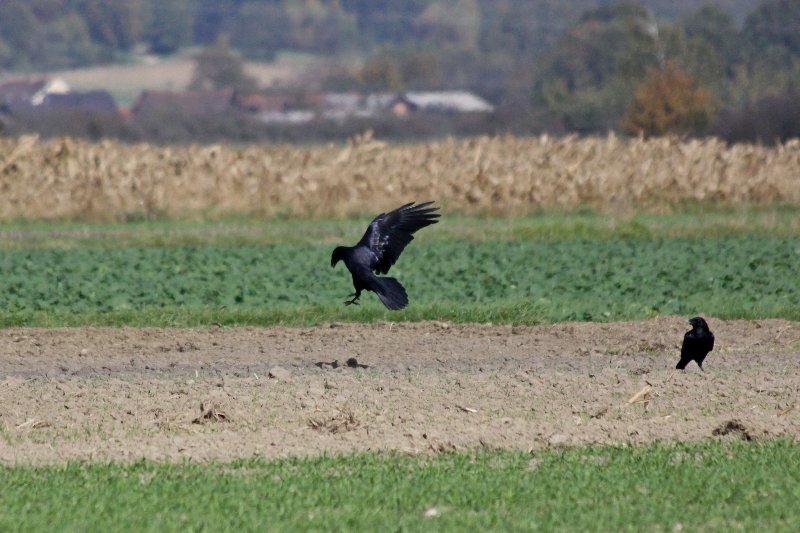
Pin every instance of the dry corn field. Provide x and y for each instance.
(72, 179)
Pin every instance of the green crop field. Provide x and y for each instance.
(514, 281)
(710, 487)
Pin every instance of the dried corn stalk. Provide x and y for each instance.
(68, 178)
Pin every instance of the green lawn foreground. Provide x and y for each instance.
(710, 486)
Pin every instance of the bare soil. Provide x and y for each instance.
(102, 394)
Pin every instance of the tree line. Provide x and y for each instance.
(730, 68)
(43, 34)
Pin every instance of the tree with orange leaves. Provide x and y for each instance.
(669, 101)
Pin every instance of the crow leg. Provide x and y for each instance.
(356, 295)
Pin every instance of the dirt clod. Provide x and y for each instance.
(732, 427)
(339, 423)
(353, 363)
(281, 374)
(210, 413)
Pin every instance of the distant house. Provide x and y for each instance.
(438, 102)
(25, 94)
(300, 108)
(341, 106)
(256, 104)
(92, 101)
(186, 102)
(290, 116)
(293, 108)
(274, 108)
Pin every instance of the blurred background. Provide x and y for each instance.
(174, 71)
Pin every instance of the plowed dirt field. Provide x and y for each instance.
(104, 394)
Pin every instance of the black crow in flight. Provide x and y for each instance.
(378, 250)
(696, 343)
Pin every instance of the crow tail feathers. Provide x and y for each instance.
(391, 293)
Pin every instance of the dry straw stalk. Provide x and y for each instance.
(72, 179)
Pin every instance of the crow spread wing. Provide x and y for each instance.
(389, 233)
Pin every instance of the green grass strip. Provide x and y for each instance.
(711, 486)
(526, 282)
(708, 222)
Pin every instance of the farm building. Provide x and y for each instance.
(186, 102)
(91, 101)
(24, 94)
(438, 102)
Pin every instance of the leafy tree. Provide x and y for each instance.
(47, 11)
(171, 25)
(219, 67)
(416, 67)
(66, 43)
(318, 26)
(526, 29)
(769, 59)
(422, 69)
(381, 73)
(609, 42)
(388, 22)
(669, 101)
(336, 30)
(450, 22)
(19, 29)
(214, 17)
(587, 81)
(704, 45)
(261, 29)
(116, 25)
(6, 54)
(714, 26)
(774, 27)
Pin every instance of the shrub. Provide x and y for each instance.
(669, 101)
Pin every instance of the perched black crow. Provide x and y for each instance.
(696, 343)
(378, 250)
